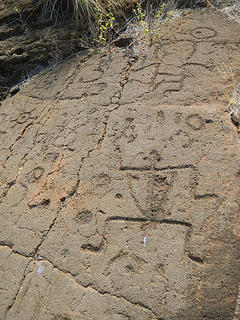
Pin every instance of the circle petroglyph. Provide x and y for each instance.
(35, 174)
(84, 217)
(195, 122)
(203, 33)
(23, 117)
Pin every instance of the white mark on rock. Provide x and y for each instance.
(40, 268)
(237, 309)
(144, 241)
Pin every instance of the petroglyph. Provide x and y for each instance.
(184, 61)
(35, 174)
(195, 122)
(203, 33)
(23, 117)
(119, 194)
(158, 195)
(83, 217)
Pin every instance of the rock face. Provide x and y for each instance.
(120, 184)
(29, 42)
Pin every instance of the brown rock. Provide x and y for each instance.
(119, 190)
(30, 42)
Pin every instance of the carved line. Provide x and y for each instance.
(162, 221)
(149, 168)
(197, 64)
(206, 196)
(195, 258)
(43, 203)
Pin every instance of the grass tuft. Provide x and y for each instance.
(83, 11)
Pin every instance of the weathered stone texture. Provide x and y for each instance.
(120, 184)
(30, 41)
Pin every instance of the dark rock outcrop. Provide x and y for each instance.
(31, 42)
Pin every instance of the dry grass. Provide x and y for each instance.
(85, 11)
(81, 10)
(145, 27)
(231, 81)
(233, 11)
